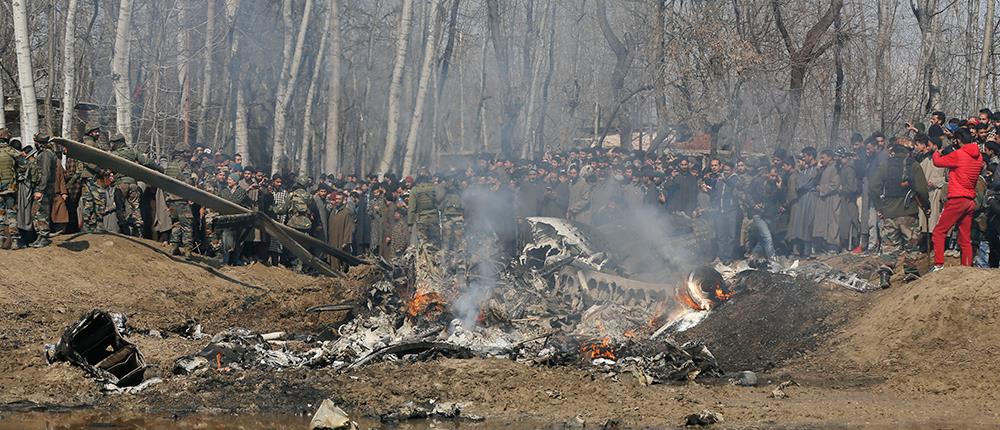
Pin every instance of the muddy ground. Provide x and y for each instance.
(921, 354)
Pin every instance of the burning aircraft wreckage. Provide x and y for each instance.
(567, 298)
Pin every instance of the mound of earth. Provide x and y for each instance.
(42, 291)
(771, 319)
(940, 334)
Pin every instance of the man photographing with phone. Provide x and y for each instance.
(964, 163)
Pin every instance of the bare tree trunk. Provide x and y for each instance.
(883, 57)
(410, 156)
(285, 93)
(119, 71)
(183, 75)
(925, 12)
(984, 57)
(51, 59)
(539, 146)
(967, 100)
(535, 104)
(509, 106)
(307, 128)
(242, 131)
(449, 48)
(206, 80)
(623, 59)
(799, 59)
(232, 69)
(838, 87)
(22, 48)
(331, 159)
(659, 73)
(69, 71)
(481, 132)
(3, 121)
(392, 124)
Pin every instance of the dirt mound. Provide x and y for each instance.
(939, 334)
(771, 319)
(44, 290)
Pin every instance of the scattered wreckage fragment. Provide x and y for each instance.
(95, 344)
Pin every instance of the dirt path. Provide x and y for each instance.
(921, 353)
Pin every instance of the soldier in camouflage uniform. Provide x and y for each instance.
(43, 186)
(181, 216)
(423, 214)
(93, 189)
(128, 185)
(452, 218)
(898, 190)
(10, 159)
(296, 210)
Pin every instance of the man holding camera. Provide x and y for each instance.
(964, 162)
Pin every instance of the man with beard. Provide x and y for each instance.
(682, 188)
(826, 234)
(341, 226)
(803, 205)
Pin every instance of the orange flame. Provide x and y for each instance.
(423, 302)
(722, 295)
(595, 350)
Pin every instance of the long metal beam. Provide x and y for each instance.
(296, 241)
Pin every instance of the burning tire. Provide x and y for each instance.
(704, 289)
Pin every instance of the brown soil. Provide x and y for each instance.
(918, 354)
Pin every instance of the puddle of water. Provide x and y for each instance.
(95, 420)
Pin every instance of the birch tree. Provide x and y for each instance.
(119, 71)
(331, 153)
(395, 84)
(69, 70)
(206, 80)
(987, 51)
(285, 92)
(430, 50)
(314, 78)
(22, 48)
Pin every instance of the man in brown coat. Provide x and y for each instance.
(341, 225)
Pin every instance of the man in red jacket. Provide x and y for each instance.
(964, 164)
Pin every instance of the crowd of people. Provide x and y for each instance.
(933, 187)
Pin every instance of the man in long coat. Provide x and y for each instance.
(826, 227)
(341, 226)
(803, 202)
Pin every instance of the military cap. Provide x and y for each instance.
(92, 130)
(117, 137)
(41, 137)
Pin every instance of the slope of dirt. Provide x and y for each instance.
(940, 334)
(42, 291)
(895, 361)
(771, 319)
